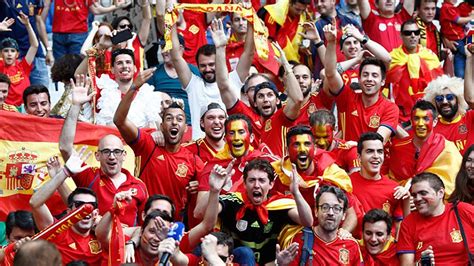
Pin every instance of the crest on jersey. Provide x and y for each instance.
(374, 121)
(94, 247)
(241, 225)
(343, 256)
(456, 236)
(182, 170)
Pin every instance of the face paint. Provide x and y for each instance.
(422, 122)
(323, 136)
(237, 137)
(301, 151)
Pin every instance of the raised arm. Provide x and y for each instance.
(127, 129)
(334, 80)
(292, 87)
(468, 82)
(43, 36)
(375, 48)
(144, 30)
(88, 43)
(97, 9)
(364, 8)
(312, 34)
(409, 6)
(246, 59)
(302, 214)
(222, 74)
(31, 53)
(181, 66)
(80, 96)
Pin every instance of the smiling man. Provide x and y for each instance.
(36, 100)
(434, 228)
(423, 150)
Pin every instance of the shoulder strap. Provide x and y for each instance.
(147, 160)
(97, 175)
(463, 234)
(307, 250)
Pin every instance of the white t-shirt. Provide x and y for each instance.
(201, 93)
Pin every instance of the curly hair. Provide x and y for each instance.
(453, 84)
(64, 68)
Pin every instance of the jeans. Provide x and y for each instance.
(459, 59)
(39, 74)
(67, 43)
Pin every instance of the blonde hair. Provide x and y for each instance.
(453, 84)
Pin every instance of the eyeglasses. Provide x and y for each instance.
(79, 203)
(116, 152)
(125, 26)
(326, 207)
(409, 32)
(449, 97)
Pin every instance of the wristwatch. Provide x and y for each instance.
(365, 40)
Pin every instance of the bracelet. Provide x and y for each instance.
(66, 171)
(319, 44)
(130, 242)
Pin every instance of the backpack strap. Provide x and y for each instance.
(307, 250)
(97, 175)
(463, 234)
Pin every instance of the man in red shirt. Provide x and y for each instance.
(434, 229)
(429, 35)
(384, 26)
(5, 84)
(323, 124)
(366, 111)
(327, 247)
(456, 122)
(378, 247)
(110, 178)
(177, 166)
(18, 71)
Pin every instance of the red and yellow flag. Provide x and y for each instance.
(26, 143)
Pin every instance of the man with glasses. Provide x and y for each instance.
(413, 66)
(327, 247)
(455, 121)
(110, 178)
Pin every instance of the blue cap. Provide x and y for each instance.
(9, 43)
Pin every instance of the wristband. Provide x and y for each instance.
(66, 171)
(319, 44)
(130, 242)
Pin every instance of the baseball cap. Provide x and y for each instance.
(209, 107)
(9, 43)
(266, 85)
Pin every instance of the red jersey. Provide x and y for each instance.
(356, 119)
(337, 252)
(385, 31)
(350, 76)
(387, 257)
(73, 246)
(457, 130)
(449, 15)
(346, 157)
(194, 34)
(18, 74)
(274, 132)
(105, 189)
(165, 172)
(202, 149)
(441, 232)
(316, 102)
(71, 16)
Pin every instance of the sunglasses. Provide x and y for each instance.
(410, 32)
(125, 26)
(79, 203)
(440, 98)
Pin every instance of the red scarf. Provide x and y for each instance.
(261, 209)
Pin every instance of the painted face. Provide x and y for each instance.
(238, 138)
(323, 136)
(330, 219)
(38, 104)
(371, 80)
(173, 125)
(371, 157)
(422, 121)
(426, 199)
(375, 236)
(257, 185)
(3, 92)
(470, 166)
(303, 75)
(301, 151)
(110, 155)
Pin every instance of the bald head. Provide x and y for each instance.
(110, 140)
(111, 155)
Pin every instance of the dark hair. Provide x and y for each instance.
(298, 130)
(64, 68)
(425, 105)
(80, 190)
(261, 165)
(373, 61)
(35, 89)
(156, 213)
(252, 76)
(434, 180)
(376, 215)
(235, 117)
(156, 197)
(117, 20)
(224, 239)
(5, 79)
(21, 219)
(418, 3)
(409, 21)
(207, 50)
(463, 184)
(340, 195)
(78, 263)
(304, 2)
(173, 105)
(365, 137)
(322, 117)
(118, 52)
(37, 252)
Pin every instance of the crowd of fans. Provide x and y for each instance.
(350, 142)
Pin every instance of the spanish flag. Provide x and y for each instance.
(26, 143)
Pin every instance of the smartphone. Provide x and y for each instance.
(122, 36)
(425, 260)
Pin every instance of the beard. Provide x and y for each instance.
(209, 80)
(449, 115)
